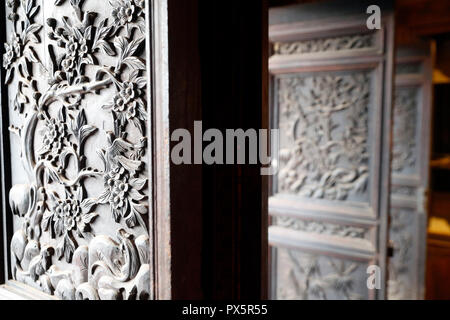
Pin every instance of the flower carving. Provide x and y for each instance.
(122, 192)
(126, 12)
(77, 47)
(60, 172)
(122, 182)
(80, 40)
(13, 51)
(128, 104)
(75, 41)
(68, 217)
(117, 184)
(53, 138)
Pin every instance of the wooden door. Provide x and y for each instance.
(409, 172)
(331, 96)
(77, 158)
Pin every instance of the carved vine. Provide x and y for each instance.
(312, 226)
(107, 268)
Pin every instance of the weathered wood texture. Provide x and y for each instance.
(77, 99)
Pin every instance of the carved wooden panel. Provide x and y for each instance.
(323, 120)
(78, 106)
(318, 227)
(312, 276)
(331, 101)
(409, 173)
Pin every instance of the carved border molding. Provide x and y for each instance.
(314, 226)
(329, 44)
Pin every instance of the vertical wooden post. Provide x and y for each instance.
(218, 214)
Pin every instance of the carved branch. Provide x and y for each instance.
(53, 94)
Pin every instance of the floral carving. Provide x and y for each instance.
(13, 51)
(55, 132)
(68, 216)
(322, 158)
(19, 51)
(57, 210)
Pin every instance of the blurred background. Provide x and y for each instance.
(321, 238)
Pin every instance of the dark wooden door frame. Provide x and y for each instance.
(211, 221)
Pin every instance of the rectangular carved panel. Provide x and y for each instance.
(307, 276)
(78, 105)
(324, 128)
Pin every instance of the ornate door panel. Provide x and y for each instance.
(75, 77)
(331, 100)
(409, 173)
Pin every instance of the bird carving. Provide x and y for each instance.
(118, 148)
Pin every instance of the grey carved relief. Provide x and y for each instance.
(78, 103)
(404, 130)
(309, 276)
(347, 42)
(315, 226)
(324, 132)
